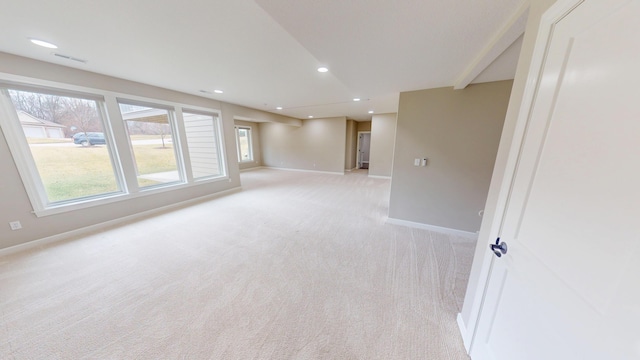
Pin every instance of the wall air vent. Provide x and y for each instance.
(70, 58)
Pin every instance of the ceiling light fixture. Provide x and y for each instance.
(279, 108)
(218, 91)
(310, 116)
(205, 91)
(323, 69)
(370, 111)
(356, 99)
(44, 43)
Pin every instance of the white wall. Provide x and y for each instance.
(317, 145)
(383, 135)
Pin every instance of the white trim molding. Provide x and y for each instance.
(466, 339)
(380, 177)
(434, 228)
(258, 167)
(304, 170)
(505, 37)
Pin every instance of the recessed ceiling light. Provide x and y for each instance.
(205, 91)
(310, 116)
(323, 69)
(279, 108)
(370, 111)
(44, 43)
(218, 91)
(356, 99)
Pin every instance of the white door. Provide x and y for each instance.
(569, 285)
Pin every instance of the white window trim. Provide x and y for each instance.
(29, 173)
(250, 139)
(175, 140)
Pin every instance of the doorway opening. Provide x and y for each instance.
(364, 145)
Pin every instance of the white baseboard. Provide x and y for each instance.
(304, 170)
(435, 228)
(380, 177)
(95, 227)
(252, 168)
(463, 332)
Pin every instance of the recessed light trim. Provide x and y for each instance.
(279, 108)
(205, 91)
(356, 99)
(370, 111)
(323, 69)
(218, 91)
(310, 116)
(43, 43)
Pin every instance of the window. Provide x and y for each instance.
(150, 130)
(203, 143)
(64, 145)
(243, 139)
(72, 153)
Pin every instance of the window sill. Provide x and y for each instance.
(118, 197)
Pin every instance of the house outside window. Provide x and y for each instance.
(202, 130)
(61, 170)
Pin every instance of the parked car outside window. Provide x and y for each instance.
(89, 138)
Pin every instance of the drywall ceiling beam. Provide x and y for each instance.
(506, 36)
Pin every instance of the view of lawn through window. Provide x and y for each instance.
(151, 140)
(69, 152)
(68, 170)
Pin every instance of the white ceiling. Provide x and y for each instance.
(264, 53)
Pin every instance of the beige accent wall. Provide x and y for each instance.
(15, 204)
(317, 145)
(501, 177)
(383, 135)
(351, 146)
(458, 131)
(363, 125)
(255, 145)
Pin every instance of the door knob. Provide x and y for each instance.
(499, 248)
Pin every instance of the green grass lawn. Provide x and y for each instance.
(70, 172)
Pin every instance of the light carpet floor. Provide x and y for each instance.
(295, 266)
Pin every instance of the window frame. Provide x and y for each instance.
(217, 124)
(250, 141)
(107, 101)
(175, 139)
(27, 166)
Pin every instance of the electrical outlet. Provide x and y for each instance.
(15, 225)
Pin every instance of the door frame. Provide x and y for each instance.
(505, 170)
(358, 147)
